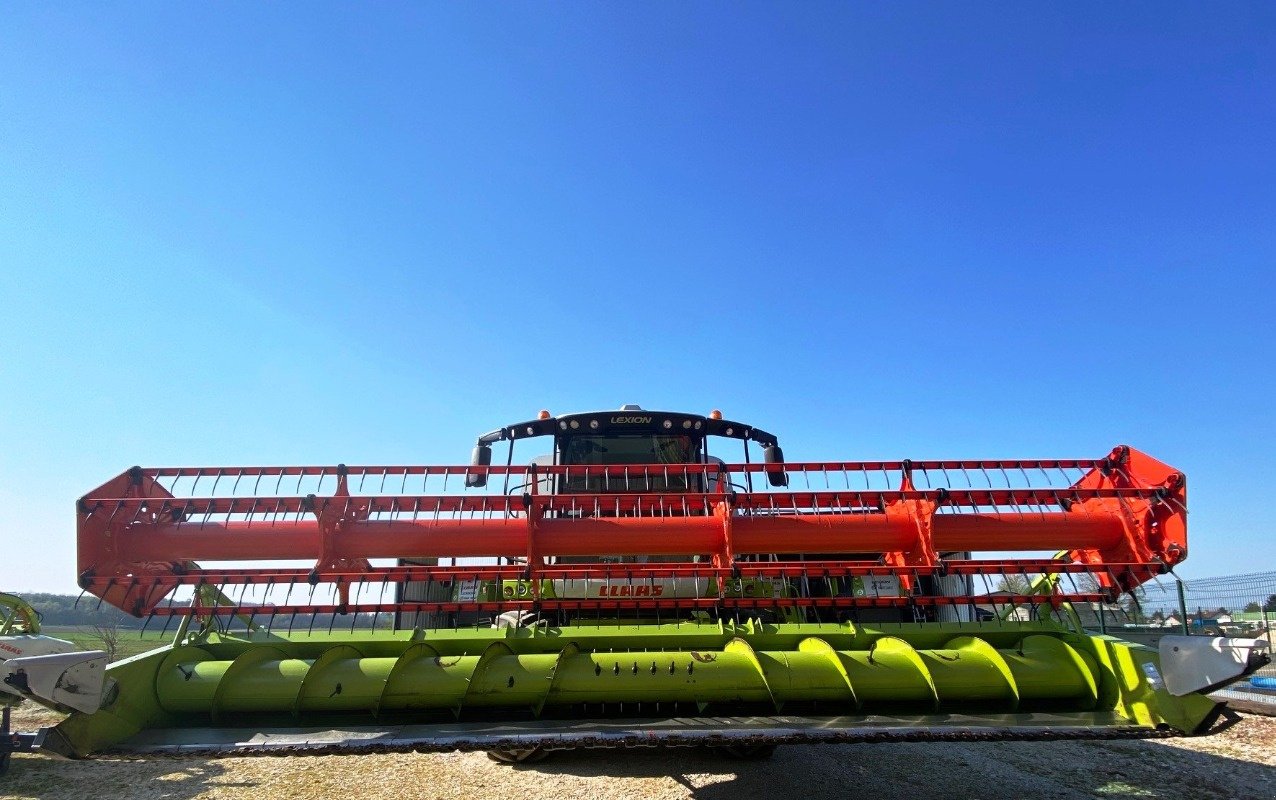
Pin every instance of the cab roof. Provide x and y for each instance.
(629, 419)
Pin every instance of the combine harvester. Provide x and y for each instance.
(47, 670)
(630, 589)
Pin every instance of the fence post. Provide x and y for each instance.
(1182, 604)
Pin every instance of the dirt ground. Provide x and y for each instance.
(1236, 762)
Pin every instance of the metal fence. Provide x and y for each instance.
(1231, 605)
(1237, 605)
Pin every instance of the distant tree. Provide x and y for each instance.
(1132, 602)
(85, 611)
(108, 632)
(1088, 583)
(1014, 584)
(1270, 605)
(1253, 608)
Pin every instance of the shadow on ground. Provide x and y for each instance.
(32, 776)
(916, 771)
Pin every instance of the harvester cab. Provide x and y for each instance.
(631, 436)
(652, 451)
(652, 593)
(659, 446)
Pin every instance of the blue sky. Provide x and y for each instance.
(255, 235)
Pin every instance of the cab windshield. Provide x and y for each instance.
(629, 449)
(584, 450)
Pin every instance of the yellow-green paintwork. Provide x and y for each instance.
(991, 668)
(17, 616)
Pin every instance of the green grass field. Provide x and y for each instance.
(129, 642)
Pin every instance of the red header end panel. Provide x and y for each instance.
(105, 517)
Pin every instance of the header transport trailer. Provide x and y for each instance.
(630, 588)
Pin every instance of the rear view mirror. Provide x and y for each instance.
(482, 457)
(772, 454)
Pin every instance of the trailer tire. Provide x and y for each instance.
(6, 739)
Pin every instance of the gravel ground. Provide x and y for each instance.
(1236, 762)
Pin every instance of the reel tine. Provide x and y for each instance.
(111, 519)
(168, 620)
(1005, 477)
(1014, 503)
(1076, 589)
(100, 600)
(138, 511)
(208, 513)
(1045, 476)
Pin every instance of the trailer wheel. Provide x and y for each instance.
(749, 752)
(6, 740)
(528, 755)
